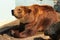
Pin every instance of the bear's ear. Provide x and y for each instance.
(29, 10)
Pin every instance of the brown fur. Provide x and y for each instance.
(38, 17)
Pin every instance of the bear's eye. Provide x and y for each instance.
(29, 10)
(19, 11)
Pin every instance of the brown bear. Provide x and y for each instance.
(38, 18)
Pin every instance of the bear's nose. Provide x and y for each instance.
(12, 12)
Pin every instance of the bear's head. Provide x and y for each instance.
(23, 13)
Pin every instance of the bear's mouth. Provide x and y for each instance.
(18, 17)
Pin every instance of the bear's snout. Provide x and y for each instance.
(12, 12)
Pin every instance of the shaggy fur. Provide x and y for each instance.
(38, 18)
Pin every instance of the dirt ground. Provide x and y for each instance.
(6, 37)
